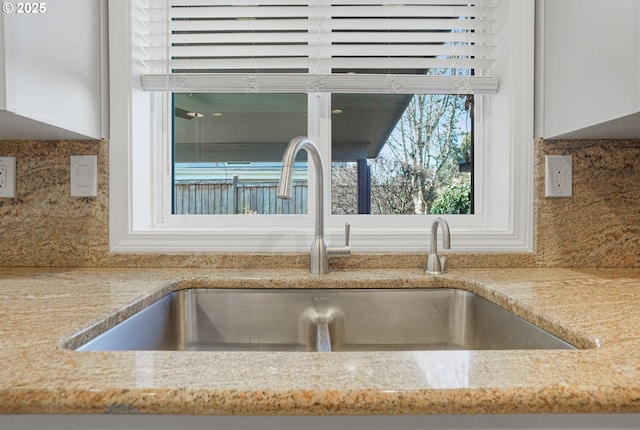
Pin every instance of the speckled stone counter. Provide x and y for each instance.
(596, 309)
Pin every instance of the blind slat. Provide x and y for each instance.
(266, 24)
(486, 39)
(361, 50)
(363, 63)
(160, 3)
(382, 11)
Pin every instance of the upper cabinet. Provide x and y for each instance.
(53, 83)
(588, 69)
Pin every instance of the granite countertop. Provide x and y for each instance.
(597, 309)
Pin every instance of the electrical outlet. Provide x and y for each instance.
(558, 175)
(7, 177)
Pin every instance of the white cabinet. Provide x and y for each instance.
(52, 84)
(588, 69)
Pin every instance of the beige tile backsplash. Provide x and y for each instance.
(598, 227)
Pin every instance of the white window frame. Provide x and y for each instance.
(139, 160)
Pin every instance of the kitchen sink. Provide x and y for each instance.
(323, 320)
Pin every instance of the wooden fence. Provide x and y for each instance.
(202, 197)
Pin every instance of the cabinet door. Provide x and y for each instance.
(591, 68)
(53, 80)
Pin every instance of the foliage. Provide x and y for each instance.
(344, 189)
(419, 163)
(392, 188)
(454, 198)
(424, 151)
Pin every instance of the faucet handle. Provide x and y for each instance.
(443, 263)
(347, 233)
(341, 251)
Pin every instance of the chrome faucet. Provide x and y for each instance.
(320, 252)
(437, 264)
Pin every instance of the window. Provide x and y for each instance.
(143, 206)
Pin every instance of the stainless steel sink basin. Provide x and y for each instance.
(323, 320)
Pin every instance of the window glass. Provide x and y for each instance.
(227, 152)
(391, 153)
(402, 154)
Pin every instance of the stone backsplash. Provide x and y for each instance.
(598, 227)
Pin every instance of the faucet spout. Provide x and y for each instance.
(286, 176)
(435, 263)
(320, 252)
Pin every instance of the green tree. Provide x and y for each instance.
(425, 148)
(454, 198)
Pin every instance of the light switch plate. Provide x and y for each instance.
(7, 177)
(84, 176)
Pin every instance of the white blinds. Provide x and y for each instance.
(392, 45)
